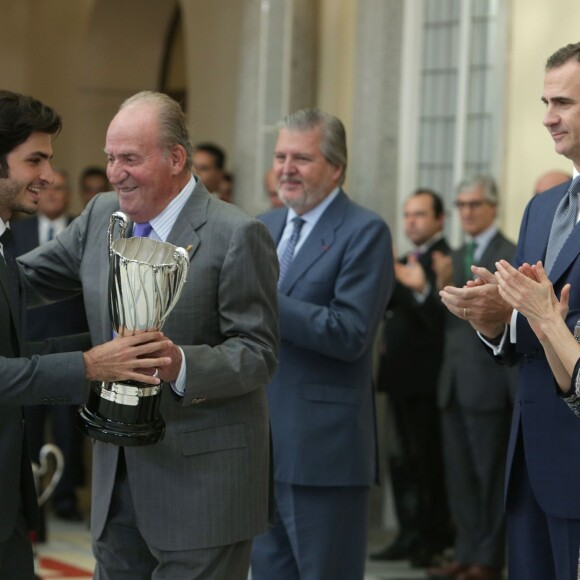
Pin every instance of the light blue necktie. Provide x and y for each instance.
(288, 254)
(563, 223)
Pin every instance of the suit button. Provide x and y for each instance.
(45, 401)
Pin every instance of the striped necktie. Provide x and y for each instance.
(562, 224)
(288, 254)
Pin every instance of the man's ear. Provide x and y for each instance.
(178, 158)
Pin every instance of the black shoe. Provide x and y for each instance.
(403, 548)
(425, 558)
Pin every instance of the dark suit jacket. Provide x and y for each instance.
(55, 378)
(550, 430)
(412, 349)
(467, 370)
(321, 399)
(206, 483)
(60, 318)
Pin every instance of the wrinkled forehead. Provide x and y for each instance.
(134, 126)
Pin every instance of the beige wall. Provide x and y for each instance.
(536, 31)
(85, 56)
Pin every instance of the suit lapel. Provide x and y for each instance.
(569, 251)
(542, 215)
(6, 285)
(318, 242)
(191, 218)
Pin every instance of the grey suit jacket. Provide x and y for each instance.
(206, 483)
(55, 378)
(468, 371)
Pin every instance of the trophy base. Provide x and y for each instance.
(121, 424)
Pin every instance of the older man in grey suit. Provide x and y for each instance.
(336, 276)
(188, 506)
(26, 130)
(475, 397)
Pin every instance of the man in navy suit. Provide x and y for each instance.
(336, 276)
(543, 467)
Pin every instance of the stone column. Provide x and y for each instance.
(276, 75)
(373, 171)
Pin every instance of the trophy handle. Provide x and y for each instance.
(181, 258)
(120, 219)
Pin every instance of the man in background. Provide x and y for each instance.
(336, 275)
(410, 361)
(271, 189)
(93, 180)
(551, 179)
(209, 162)
(44, 322)
(475, 398)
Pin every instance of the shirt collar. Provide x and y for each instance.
(430, 242)
(482, 240)
(163, 223)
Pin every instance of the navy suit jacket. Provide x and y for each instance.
(550, 430)
(60, 318)
(331, 300)
(56, 378)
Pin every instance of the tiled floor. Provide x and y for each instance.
(67, 555)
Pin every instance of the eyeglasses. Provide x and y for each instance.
(469, 204)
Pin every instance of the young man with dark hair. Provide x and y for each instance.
(26, 130)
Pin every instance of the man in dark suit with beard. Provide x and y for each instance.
(59, 319)
(413, 332)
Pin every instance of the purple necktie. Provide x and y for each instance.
(142, 230)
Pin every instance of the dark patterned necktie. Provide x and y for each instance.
(288, 254)
(562, 224)
(9, 251)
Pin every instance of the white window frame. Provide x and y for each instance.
(409, 124)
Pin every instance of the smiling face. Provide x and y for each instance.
(562, 99)
(29, 171)
(303, 174)
(145, 175)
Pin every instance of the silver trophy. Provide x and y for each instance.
(146, 278)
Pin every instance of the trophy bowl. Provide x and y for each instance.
(146, 278)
